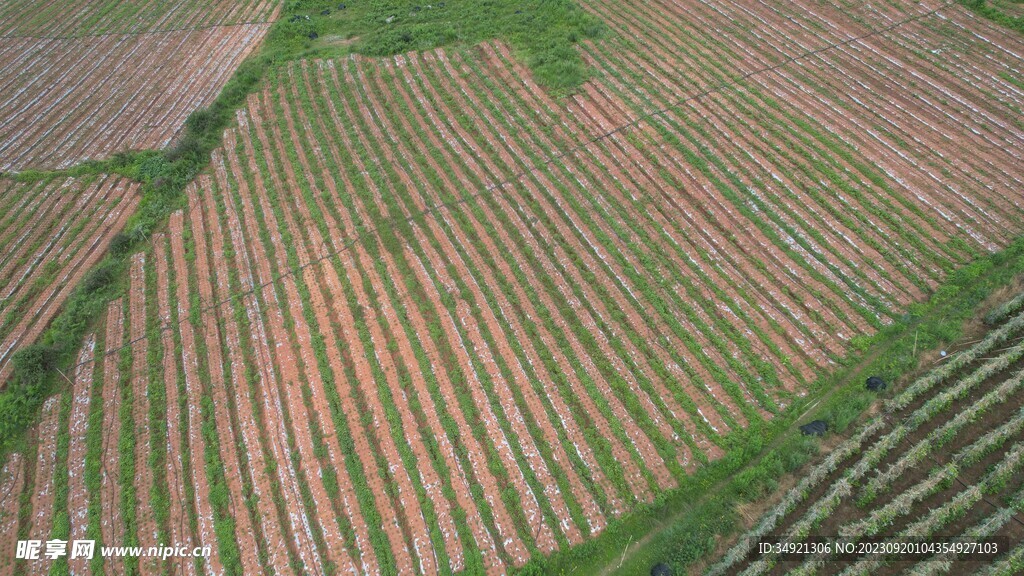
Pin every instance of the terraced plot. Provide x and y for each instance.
(52, 231)
(55, 19)
(86, 80)
(848, 132)
(941, 463)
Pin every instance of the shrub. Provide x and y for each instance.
(98, 277)
(33, 363)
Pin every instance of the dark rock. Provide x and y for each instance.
(876, 384)
(661, 569)
(816, 428)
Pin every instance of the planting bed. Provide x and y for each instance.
(12, 482)
(85, 80)
(76, 18)
(52, 231)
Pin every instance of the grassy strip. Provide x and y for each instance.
(994, 14)
(683, 524)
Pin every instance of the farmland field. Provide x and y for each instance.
(84, 80)
(54, 19)
(941, 463)
(421, 315)
(53, 231)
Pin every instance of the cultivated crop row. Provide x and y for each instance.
(52, 231)
(68, 100)
(934, 464)
(859, 183)
(55, 18)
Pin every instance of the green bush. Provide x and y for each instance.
(99, 277)
(34, 363)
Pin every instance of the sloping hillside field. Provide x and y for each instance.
(83, 80)
(52, 231)
(420, 316)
